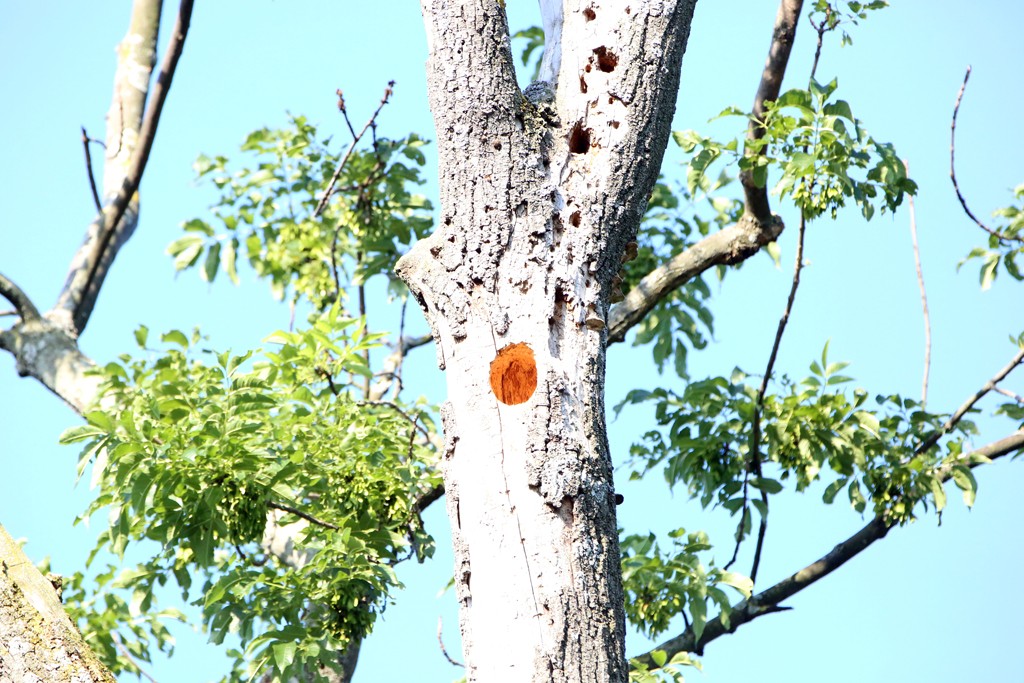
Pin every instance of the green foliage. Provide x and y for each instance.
(1005, 243)
(266, 209)
(824, 155)
(661, 586)
(812, 430)
(201, 449)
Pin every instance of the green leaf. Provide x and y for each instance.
(175, 337)
(212, 263)
(659, 657)
(964, 479)
(141, 334)
(284, 654)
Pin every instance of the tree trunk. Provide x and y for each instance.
(540, 194)
(38, 642)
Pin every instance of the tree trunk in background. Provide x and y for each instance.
(540, 194)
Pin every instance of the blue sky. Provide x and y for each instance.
(927, 603)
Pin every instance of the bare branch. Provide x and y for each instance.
(80, 294)
(1006, 392)
(304, 515)
(755, 438)
(22, 303)
(952, 170)
(88, 170)
(726, 247)
(322, 204)
(768, 601)
(969, 403)
(924, 300)
(444, 651)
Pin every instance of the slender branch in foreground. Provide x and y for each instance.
(952, 169)
(726, 247)
(115, 210)
(924, 300)
(22, 303)
(88, 170)
(969, 403)
(304, 515)
(356, 137)
(767, 601)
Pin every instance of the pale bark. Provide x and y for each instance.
(38, 642)
(539, 198)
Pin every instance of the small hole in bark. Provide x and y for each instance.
(589, 14)
(587, 68)
(606, 60)
(613, 124)
(583, 84)
(574, 219)
(514, 374)
(497, 146)
(447, 220)
(628, 11)
(579, 139)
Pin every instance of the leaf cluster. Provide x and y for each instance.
(266, 208)
(199, 451)
(813, 430)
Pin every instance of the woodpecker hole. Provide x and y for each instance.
(514, 374)
(497, 146)
(574, 219)
(579, 139)
(589, 14)
(606, 60)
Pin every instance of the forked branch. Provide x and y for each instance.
(80, 294)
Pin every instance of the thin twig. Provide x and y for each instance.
(304, 515)
(109, 218)
(355, 141)
(755, 448)
(22, 303)
(1006, 392)
(440, 641)
(952, 170)
(128, 655)
(969, 403)
(397, 373)
(88, 170)
(415, 422)
(924, 300)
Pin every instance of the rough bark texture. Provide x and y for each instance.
(38, 642)
(540, 194)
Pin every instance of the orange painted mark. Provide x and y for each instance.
(514, 374)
